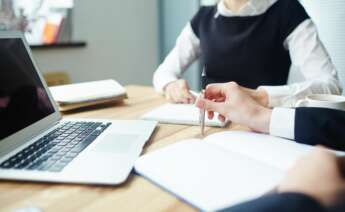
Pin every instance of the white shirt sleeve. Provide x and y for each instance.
(283, 123)
(186, 51)
(310, 56)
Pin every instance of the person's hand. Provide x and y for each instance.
(260, 95)
(236, 104)
(178, 92)
(319, 175)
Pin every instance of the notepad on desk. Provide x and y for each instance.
(79, 95)
(180, 114)
(223, 169)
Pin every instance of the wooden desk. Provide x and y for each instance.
(137, 194)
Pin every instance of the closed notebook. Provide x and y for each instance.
(88, 93)
(223, 169)
(180, 114)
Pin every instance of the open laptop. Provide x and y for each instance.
(36, 144)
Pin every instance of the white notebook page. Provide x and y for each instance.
(274, 151)
(207, 176)
(179, 114)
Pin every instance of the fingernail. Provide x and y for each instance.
(200, 103)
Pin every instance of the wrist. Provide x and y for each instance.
(261, 122)
(166, 86)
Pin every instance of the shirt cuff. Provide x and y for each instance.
(277, 95)
(160, 84)
(283, 123)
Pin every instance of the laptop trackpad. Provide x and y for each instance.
(116, 143)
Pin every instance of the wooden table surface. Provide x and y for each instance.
(137, 194)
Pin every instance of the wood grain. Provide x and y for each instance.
(137, 194)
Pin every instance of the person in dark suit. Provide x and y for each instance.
(313, 126)
(317, 182)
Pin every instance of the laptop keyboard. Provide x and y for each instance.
(57, 149)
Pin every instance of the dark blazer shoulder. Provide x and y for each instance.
(284, 202)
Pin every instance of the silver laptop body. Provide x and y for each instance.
(36, 144)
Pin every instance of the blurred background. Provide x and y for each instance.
(127, 40)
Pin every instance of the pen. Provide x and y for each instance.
(194, 93)
(202, 116)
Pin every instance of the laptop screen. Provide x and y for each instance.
(23, 99)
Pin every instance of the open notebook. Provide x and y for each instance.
(180, 114)
(84, 94)
(223, 169)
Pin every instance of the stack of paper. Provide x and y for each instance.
(180, 114)
(89, 93)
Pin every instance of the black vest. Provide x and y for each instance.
(248, 50)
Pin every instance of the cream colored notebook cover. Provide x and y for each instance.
(88, 93)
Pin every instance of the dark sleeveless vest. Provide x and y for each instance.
(248, 50)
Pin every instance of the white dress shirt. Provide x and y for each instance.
(307, 53)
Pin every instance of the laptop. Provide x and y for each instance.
(36, 144)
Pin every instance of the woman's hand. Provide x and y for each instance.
(178, 92)
(320, 175)
(260, 95)
(236, 104)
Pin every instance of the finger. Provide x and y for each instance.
(176, 96)
(182, 99)
(186, 100)
(212, 95)
(221, 118)
(200, 104)
(215, 86)
(182, 95)
(210, 115)
(215, 91)
(192, 99)
(186, 97)
(211, 106)
(185, 92)
(168, 97)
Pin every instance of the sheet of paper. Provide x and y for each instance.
(180, 114)
(88, 91)
(277, 152)
(207, 176)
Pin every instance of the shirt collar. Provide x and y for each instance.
(251, 8)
